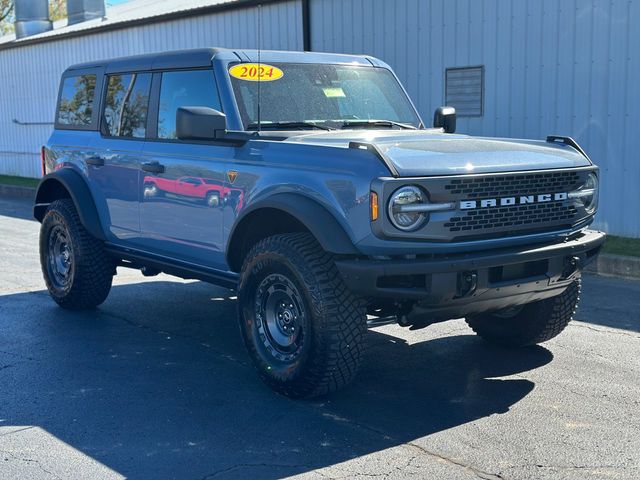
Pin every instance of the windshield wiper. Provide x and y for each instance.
(267, 125)
(376, 123)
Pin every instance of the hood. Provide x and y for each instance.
(417, 153)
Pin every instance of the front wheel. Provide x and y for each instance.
(531, 324)
(302, 327)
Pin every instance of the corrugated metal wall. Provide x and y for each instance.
(30, 75)
(568, 67)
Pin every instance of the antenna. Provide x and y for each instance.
(259, 63)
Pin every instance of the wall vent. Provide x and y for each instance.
(464, 90)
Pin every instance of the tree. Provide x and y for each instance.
(6, 16)
(57, 9)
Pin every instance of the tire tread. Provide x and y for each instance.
(341, 314)
(536, 323)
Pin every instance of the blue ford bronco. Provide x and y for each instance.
(309, 183)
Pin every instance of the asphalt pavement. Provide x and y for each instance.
(156, 384)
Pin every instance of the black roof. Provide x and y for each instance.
(200, 57)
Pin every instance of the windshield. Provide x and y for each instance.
(301, 96)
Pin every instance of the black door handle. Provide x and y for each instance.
(95, 161)
(153, 167)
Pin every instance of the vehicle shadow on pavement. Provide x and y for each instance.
(156, 384)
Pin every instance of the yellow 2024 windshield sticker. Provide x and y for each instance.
(253, 72)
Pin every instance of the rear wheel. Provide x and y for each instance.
(77, 270)
(533, 323)
(302, 327)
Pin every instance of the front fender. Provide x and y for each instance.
(67, 183)
(311, 214)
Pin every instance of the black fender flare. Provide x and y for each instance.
(311, 214)
(67, 183)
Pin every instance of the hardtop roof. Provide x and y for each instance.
(202, 57)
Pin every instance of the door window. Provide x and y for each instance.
(195, 88)
(126, 104)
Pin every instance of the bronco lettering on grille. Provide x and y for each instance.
(511, 201)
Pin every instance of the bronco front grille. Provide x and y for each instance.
(529, 216)
(506, 185)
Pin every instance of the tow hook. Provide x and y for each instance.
(467, 283)
(571, 265)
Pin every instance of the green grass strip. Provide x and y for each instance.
(622, 246)
(19, 181)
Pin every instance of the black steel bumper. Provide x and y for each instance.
(471, 283)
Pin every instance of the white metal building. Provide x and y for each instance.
(512, 68)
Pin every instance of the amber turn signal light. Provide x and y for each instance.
(374, 205)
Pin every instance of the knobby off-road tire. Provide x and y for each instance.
(535, 323)
(77, 270)
(301, 325)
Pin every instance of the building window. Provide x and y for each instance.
(76, 100)
(196, 88)
(126, 104)
(464, 90)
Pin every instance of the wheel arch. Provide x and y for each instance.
(67, 183)
(285, 213)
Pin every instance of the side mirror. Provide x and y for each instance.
(445, 118)
(200, 123)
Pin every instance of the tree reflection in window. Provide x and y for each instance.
(126, 103)
(76, 100)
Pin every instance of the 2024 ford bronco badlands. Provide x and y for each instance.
(332, 202)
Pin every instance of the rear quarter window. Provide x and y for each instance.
(77, 95)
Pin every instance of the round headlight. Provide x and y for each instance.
(590, 201)
(400, 212)
(588, 193)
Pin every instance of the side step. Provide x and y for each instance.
(381, 321)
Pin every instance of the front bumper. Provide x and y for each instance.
(461, 284)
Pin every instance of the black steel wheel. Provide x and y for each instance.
(280, 317)
(302, 327)
(77, 270)
(60, 264)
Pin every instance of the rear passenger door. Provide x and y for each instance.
(114, 167)
(181, 205)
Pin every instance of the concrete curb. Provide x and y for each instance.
(15, 191)
(616, 266)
